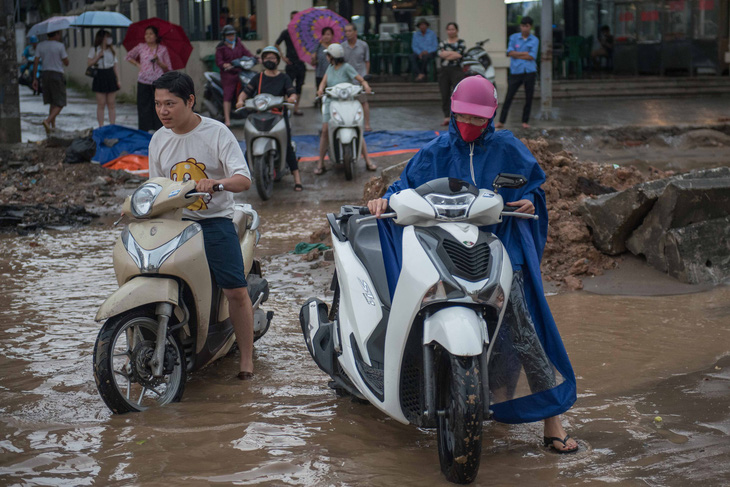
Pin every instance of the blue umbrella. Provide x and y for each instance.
(101, 19)
(50, 25)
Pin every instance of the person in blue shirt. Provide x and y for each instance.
(522, 50)
(424, 45)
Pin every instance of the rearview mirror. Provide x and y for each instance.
(505, 180)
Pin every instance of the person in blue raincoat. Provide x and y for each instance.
(529, 343)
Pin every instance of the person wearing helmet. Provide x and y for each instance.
(471, 150)
(228, 49)
(276, 83)
(338, 72)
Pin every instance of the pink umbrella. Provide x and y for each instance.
(306, 27)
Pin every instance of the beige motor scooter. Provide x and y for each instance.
(168, 316)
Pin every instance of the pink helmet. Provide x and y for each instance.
(476, 96)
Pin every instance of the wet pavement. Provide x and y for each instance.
(636, 358)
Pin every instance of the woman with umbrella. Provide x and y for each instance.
(153, 61)
(228, 49)
(106, 81)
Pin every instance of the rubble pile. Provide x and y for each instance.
(37, 189)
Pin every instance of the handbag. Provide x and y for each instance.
(91, 71)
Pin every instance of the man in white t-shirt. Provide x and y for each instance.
(193, 147)
(53, 54)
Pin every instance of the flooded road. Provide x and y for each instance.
(636, 358)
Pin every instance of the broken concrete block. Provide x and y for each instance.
(700, 252)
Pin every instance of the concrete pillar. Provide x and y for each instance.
(272, 16)
(134, 9)
(479, 20)
(173, 8)
(9, 95)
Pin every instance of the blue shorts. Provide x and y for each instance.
(223, 251)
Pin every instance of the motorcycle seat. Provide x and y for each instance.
(365, 240)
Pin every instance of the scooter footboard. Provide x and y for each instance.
(458, 329)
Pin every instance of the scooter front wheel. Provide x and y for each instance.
(122, 352)
(348, 160)
(264, 174)
(459, 426)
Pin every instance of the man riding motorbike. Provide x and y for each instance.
(276, 83)
(530, 341)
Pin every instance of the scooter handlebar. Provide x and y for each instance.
(526, 216)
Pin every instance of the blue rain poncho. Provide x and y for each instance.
(493, 153)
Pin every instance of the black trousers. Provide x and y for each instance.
(147, 118)
(514, 83)
(420, 64)
(291, 155)
(449, 77)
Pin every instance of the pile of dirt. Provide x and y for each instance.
(569, 253)
(39, 190)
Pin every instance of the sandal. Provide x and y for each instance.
(298, 187)
(548, 441)
(245, 375)
(320, 170)
(371, 167)
(298, 113)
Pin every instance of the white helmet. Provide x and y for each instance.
(335, 50)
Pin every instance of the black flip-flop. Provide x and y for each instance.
(548, 441)
(320, 170)
(298, 187)
(245, 375)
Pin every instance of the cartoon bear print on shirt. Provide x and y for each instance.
(187, 170)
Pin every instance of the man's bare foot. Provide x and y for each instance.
(445, 122)
(420, 77)
(525, 125)
(556, 437)
(498, 125)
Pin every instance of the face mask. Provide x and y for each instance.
(270, 65)
(469, 132)
(109, 41)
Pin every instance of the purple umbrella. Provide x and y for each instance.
(306, 27)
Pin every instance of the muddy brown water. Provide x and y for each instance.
(635, 357)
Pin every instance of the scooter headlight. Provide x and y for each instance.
(358, 115)
(343, 93)
(262, 102)
(247, 64)
(450, 207)
(143, 198)
(336, 115)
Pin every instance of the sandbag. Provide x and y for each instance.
(81, 149)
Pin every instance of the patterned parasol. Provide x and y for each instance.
(306, 27)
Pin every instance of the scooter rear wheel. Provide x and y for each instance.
(123, 378)
(459, 427)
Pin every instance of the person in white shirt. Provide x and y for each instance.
(106, 81)
(53, 54)
(193, 147)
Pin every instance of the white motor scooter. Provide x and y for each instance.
(422, 357)
(266, 140)
(345, 128)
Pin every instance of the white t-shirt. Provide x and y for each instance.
(108, 60)
(209, 151)
(52, 53)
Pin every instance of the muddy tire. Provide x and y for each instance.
(264, 175)
(348, 160)
(122, 377)
(459, 426)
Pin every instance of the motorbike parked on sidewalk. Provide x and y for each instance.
(476, 61)
(421, 357)
(168, 316)
(266, 140)
(345, 127)
(213, 91)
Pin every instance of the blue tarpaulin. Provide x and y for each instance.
(382, 141)
(120, 140)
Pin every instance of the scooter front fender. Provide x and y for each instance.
(262, 145)
(458, 329)
(138, 292)
(346, 134)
